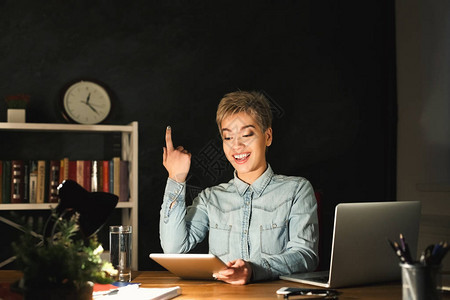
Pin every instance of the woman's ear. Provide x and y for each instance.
(268, 135)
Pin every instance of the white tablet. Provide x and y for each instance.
(190, 266)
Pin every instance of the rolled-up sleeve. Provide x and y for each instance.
(176, 233)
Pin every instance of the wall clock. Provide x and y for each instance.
(86, 102)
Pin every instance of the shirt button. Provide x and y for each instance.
(245, 231)
(274, 225)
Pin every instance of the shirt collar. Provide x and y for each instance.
(258, 186)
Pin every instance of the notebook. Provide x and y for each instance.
(360, 251)
(190, 266)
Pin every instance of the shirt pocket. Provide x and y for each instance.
(219, 239)
(273, 237)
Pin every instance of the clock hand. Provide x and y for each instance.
(92, 104)
(91, 107)
(87, 99)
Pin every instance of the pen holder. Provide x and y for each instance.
(421, 282)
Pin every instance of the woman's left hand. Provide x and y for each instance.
(238, 272)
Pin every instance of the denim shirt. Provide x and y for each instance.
(271, 223)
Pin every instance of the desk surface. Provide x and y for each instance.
(218, 290)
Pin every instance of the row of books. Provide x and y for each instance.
(36, 181)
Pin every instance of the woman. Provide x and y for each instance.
(262, 224)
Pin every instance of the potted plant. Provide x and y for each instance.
(17, 105)
(64, 261)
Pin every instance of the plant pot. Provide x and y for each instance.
(58, 293)
(16, 115)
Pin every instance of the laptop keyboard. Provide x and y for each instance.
(322, 279)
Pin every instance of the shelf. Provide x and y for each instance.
(63, 127)
(129, 145)
(44, 206)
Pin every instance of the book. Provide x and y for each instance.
(41, 179)
(46, 181)
(103, 289)
(64, 169)
(100, 176)
(134, 291)
(157, 293)
(17, 181)
(124, 192)
(1, 180)
(112, 288)
(37, 181)
(61, 170)
(72, 172)
(6, 182)
(54, 173)
(94, 176)
(33, 173)
(111, 176)
(26, 181)
(84, 174)
(80, 172)
(106, 176)
(87, 175)
(116, 180)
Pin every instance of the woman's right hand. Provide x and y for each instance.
(176, 161)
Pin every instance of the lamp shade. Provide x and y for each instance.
(94, 208)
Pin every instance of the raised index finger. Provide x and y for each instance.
(169, 143)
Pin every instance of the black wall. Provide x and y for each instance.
(327, 66)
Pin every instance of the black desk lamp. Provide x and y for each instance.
(94, 208)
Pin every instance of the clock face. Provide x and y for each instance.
(86, 102)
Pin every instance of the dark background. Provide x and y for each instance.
(328, 68)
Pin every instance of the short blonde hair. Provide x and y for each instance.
(253, 103)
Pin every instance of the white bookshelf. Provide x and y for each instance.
(129, 152)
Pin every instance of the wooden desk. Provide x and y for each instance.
(220, 290)
(262, 290)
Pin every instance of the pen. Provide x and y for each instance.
(289, 292)
(403, 243)
(396, 251)
(402, 255)
(433, 254)
(436, 248)
(443, 252)
(405, 248)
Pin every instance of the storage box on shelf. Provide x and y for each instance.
(129, 149)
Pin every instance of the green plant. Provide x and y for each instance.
(18, 101)
(61, 258)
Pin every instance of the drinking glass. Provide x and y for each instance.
(120, 251)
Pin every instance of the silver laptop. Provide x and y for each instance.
(360, 252)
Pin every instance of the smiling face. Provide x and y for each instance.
(245, 144)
